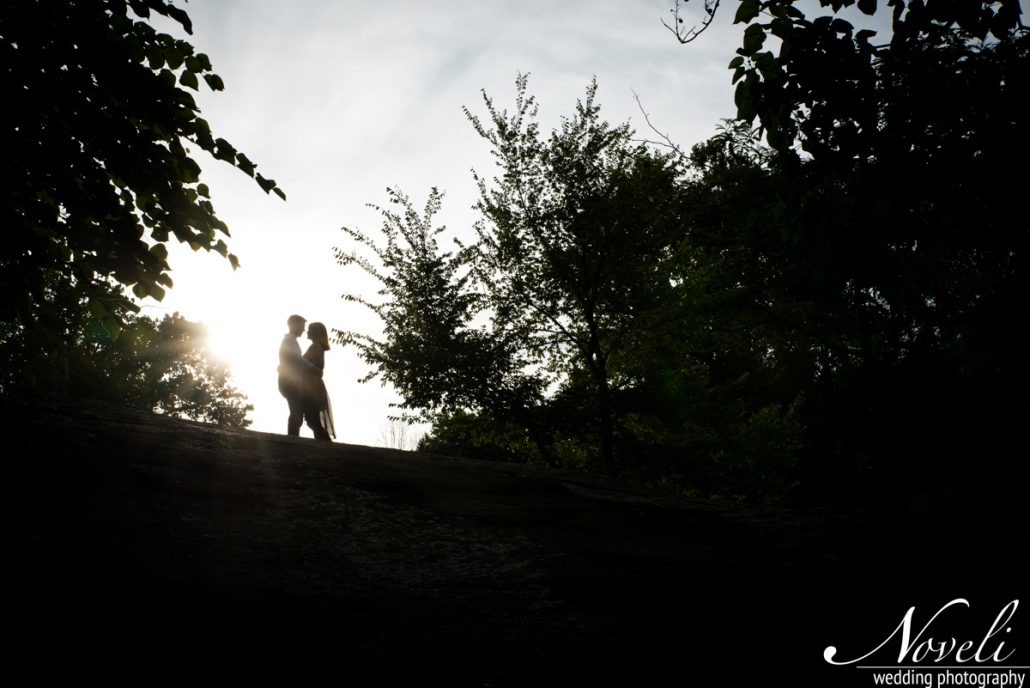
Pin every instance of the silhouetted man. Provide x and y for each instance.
(293, 367)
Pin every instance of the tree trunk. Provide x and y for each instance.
(606, 416)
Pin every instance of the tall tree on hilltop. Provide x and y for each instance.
(577, 244)
(571, 264)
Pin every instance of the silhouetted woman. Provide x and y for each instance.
(318, 413)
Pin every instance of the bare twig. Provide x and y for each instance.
(686, 36)
(666, 142)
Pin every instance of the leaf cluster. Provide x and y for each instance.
(821, 89)
(98, 128)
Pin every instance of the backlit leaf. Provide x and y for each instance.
(746, 11)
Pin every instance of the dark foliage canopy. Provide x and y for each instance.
(814, 81)
(98, 124)
(877, 247)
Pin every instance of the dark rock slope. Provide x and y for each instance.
(145, 549)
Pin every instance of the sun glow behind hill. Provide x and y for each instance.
(245, 311)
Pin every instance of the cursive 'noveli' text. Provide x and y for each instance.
(915, 648)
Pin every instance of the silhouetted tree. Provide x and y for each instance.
(165, 366)
(571, 266)
(576, 247)
(155, 365)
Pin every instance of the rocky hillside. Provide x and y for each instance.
(148, 550)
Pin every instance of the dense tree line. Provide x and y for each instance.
(828, 305)
(826, 299)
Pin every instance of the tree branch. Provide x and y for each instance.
(686, 36)
(666, 142)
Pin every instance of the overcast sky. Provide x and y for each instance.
(337, 100)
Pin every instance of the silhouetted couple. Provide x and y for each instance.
(300, 379)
